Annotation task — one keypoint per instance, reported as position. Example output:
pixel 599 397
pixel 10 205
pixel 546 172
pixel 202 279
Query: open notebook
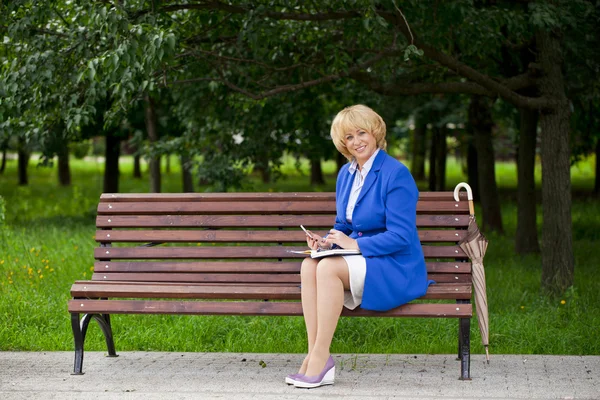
pixel 327 253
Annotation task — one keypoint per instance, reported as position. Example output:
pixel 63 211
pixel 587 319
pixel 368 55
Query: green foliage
pixel 80 149
pixel 86 65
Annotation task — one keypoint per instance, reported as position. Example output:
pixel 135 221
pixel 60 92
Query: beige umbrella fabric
pixel 475 244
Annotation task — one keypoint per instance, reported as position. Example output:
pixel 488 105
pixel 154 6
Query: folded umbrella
pixel 474 245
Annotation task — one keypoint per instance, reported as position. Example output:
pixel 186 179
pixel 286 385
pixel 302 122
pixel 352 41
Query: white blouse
pixel 357 184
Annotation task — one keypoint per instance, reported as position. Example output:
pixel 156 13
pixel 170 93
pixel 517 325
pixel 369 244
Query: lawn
pixel 46 242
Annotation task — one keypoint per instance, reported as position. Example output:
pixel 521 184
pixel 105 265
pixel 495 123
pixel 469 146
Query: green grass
pixel 47 243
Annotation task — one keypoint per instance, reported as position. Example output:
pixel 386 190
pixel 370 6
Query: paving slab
pixel 158 375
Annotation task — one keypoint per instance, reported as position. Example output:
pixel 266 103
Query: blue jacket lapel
pixel 346 186
pixel 372 175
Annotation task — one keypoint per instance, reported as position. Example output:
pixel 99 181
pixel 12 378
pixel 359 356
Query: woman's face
pixel 361 145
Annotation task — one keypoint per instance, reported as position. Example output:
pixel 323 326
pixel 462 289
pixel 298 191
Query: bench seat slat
pixel 254 221
pixel 242 236
pixel 256 308
pixel 242 267
pixel 93 289
pixel 224 252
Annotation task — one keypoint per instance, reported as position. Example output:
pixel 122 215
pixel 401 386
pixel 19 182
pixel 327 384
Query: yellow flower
pixel 41 276
pixel 522 307
pixel 1 262
pixel 563 302
pixel 51 269
pixel 32 250
pixel 92 268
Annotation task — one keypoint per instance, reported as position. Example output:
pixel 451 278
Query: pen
pixel 307 232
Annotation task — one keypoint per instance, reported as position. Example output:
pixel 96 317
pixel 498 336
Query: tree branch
pixel 464 70
pixel 486 82
pixel 49 32
pixel 301 85
pixel 411 88
pixel 291 16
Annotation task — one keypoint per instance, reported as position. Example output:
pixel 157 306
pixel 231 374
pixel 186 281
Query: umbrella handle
pixel 469 195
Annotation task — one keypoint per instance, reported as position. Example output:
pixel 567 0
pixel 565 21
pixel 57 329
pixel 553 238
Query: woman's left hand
pixel 341 239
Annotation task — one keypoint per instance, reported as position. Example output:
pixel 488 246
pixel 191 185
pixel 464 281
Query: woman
pixel 376 199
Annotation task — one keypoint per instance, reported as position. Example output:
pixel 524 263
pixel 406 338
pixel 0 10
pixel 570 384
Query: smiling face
pixel 357 131
pixel 361 145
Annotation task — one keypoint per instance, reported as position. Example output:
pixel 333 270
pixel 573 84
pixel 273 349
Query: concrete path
pixel 141 375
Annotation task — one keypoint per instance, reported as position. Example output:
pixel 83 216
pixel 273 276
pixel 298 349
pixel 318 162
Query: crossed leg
pixel 323 285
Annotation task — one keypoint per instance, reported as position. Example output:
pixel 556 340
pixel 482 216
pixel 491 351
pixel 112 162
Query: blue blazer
pixel 384 225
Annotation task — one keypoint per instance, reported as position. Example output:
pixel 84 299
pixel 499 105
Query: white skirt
pixel 357 270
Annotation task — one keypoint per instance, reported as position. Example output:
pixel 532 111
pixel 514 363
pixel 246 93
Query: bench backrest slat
pixel 253 207
pixel 254 221
pixel 240 252
pixel 223 236
pixel 201 267
pixel 249 196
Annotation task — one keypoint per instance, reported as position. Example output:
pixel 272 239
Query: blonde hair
pixel 354 118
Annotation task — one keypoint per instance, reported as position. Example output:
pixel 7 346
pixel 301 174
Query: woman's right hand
pixel 316 242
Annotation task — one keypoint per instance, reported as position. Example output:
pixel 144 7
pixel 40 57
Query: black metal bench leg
pixel 465 349
pixel 104 322
pixel 79 338
pixel 458 358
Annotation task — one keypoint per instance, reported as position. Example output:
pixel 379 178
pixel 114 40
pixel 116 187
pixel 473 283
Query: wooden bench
pixel 235 246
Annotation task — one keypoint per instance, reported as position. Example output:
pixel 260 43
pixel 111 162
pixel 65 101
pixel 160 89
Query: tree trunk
pixel 186 174
pixel 137 167
pixel 440 159
pixel 261 166
pixel 433 152
pixel 419 149
pixel 480 119
pixel 316 172
pixel 557 238
pixel 472 172
pixel 152 128
pixel 111 163
pixel 597 179
pixel 526 238
pixel 3 164
pixel 23 162
pixel 64 171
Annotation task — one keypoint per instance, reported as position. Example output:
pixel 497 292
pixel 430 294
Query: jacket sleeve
pixel 400 202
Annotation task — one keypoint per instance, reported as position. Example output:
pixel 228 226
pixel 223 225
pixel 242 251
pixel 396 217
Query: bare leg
pixel 308 275
pixel 332 279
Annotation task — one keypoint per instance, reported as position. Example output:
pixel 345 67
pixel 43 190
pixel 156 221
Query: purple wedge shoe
pixel 326 377
pixel 291 379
